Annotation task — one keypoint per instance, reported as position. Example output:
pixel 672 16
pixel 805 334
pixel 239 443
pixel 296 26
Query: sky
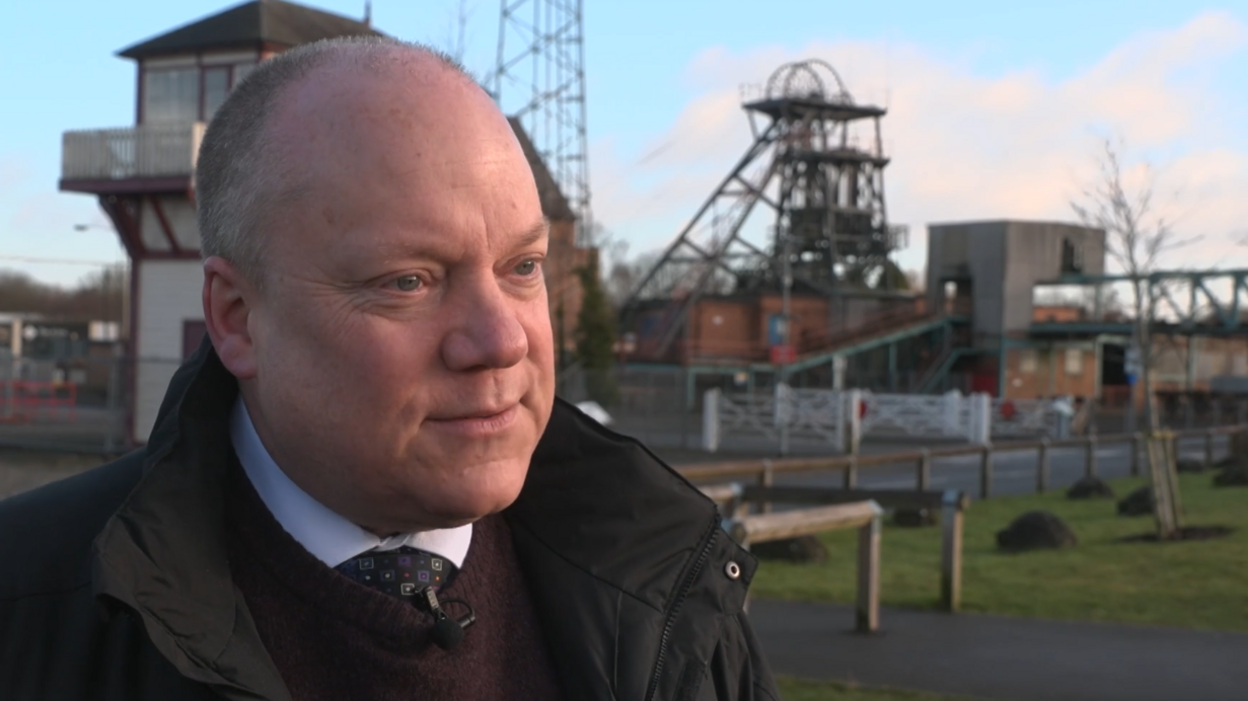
pixel 995 109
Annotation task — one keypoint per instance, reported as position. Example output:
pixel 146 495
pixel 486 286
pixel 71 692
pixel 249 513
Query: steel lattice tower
pixel 821 177
pixel 540 79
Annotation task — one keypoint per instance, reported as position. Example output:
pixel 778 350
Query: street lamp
pixel 83 226
pixel 113 283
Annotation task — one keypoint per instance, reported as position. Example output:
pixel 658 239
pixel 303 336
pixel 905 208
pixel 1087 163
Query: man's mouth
pixel 482 421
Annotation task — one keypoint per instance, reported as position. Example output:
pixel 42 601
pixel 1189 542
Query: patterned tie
pixel 404 572
pixel 413 575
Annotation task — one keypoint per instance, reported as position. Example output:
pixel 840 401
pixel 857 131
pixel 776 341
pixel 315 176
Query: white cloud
pixel 966 146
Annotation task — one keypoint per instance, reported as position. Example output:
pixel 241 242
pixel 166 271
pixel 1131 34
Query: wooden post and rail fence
pixel 764 470
pixel 864 515
pixel 851 507
pixel 734 498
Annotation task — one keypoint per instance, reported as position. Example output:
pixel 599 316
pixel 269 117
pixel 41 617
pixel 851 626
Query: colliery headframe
pixel 784 275
pixel 817 166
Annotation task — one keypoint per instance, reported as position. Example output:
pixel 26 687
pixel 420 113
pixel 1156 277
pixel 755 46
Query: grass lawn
pixel 802 690
pixel 1187 584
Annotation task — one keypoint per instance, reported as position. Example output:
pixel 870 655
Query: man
pixel 377 391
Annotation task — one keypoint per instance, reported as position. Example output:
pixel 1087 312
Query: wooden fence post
pixel 1209 447
pixel 1237 449
pixel 868 613
pixel 736 505
pixel 1162 449
pixel 1135 453
pixel 924 478
pixel 1172 473
pixel 766 479
pixel 985 471
pixel 851 473
pixel 951 552
pixel 710 420
pixel 1089 458
pixel 1042 466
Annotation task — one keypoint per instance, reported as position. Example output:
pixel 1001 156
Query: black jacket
pixel 114 584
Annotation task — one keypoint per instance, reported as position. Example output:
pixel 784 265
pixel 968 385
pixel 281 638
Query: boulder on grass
pixel 1035 530
pixel 1189 465
pixel 1090 488
pixel 1137 503
pixel 1232 476
pixel 915 518
pixel 803 549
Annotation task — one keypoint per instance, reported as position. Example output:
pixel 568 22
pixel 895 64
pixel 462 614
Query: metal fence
pixel 96 403
pixel 80 404
pixel 659 406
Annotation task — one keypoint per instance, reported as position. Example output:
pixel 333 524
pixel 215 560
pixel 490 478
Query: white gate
pixel 808 414
pixel 1026 417
pixel 947 416
pixel 816 413
pixel 839 418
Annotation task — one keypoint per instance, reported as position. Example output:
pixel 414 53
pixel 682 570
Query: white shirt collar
pixel 327 535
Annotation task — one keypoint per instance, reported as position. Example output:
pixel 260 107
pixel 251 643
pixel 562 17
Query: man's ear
pixel 228 304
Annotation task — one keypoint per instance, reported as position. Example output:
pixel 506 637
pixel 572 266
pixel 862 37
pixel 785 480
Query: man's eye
pixel 526 268
pixel 408 283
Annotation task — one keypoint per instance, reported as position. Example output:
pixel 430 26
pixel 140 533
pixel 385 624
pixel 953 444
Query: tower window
pixel 1072 257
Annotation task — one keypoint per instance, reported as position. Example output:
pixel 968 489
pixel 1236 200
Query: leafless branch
pixel 1136 238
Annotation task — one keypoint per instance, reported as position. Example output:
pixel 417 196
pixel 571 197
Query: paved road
pixel 1004 659
pixel 1013 472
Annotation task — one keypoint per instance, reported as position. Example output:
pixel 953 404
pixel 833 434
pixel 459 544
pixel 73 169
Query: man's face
pixel 403 351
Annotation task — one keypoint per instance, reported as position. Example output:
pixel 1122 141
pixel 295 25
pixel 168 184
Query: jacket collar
pixel 595 500
pixel 163 553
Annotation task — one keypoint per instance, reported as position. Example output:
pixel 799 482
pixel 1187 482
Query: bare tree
pixel 1136 237
pixel 98 295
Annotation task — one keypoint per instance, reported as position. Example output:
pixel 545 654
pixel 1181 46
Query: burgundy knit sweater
pixel 334 639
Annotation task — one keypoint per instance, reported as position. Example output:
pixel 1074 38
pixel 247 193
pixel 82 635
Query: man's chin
pixel 477 496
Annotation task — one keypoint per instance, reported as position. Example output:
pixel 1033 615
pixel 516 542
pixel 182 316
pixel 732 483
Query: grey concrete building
pixel 996 265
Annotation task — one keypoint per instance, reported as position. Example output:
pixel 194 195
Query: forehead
pixel 404 153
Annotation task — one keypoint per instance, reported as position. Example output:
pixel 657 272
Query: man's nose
pixel 486 331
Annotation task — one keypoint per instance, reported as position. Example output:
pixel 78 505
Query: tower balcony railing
pixel 145 151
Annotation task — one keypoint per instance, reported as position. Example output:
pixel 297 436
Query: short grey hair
pixel 238 175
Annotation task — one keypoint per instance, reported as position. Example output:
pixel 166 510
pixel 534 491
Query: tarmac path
pixel 1004 659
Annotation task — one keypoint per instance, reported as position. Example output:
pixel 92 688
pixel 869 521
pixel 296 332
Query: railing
pixel 895 318
pixel 880 323
pixel 148 151
pixel 765 470
pixel 736 351
pixel 733 498
pixel 863 515
pixel 21 400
